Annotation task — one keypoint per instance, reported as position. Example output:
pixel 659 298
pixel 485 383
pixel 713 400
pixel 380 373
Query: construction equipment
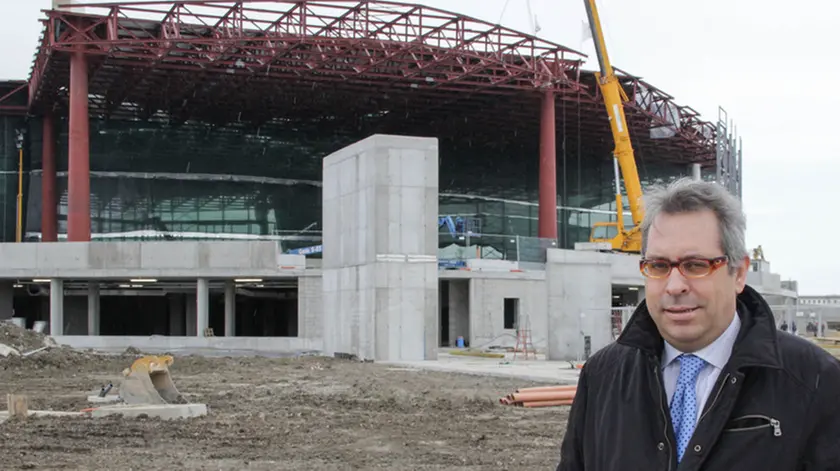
pixel 147 381
pixel 624 240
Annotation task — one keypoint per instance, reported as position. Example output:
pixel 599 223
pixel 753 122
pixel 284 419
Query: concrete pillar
pixel 547 224
pixel 696 172
pixel 93 308
pixel 202 306
pixel 579 289
pixel 56 307
pixel 380 275
pixel 49 202
pixel 78 179
pixel 230 309
pixel 7 297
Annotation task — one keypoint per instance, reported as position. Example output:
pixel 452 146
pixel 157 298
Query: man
pixel 700 378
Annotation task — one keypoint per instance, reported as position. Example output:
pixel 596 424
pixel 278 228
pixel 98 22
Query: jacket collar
pixel 756 344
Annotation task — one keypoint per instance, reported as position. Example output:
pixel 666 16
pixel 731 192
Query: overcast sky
pixel 771 64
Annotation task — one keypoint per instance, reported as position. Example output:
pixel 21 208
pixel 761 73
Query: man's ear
pixel 741 274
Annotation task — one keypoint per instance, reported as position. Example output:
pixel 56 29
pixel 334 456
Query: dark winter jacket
pixel 775 406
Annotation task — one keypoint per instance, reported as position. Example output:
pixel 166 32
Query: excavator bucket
pixel 147 381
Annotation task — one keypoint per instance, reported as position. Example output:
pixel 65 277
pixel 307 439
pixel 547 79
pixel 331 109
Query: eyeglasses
pixel 694 267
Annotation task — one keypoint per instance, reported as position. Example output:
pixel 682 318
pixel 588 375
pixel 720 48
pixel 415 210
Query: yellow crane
pixel 625 239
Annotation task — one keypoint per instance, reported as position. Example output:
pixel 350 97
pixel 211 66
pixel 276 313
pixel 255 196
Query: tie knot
pixel 692 364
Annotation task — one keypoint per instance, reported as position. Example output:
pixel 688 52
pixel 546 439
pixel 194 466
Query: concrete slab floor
pixel 544 371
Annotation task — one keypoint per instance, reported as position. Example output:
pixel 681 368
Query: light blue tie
pixel 684 403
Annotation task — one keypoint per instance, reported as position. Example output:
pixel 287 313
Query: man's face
pixel 691 312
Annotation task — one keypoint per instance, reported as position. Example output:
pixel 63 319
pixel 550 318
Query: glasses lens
pixel 695 268
pixel 657 268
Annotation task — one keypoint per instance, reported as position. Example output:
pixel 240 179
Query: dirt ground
pixel 279 414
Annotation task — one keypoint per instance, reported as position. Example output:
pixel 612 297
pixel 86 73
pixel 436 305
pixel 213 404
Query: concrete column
pixel 547 223
pixel 696 173
pixel 7 297
pixel 56 307
pixel 78 179
pixel 380 274
pixel 202 306
pixel 230 309
pixel 49 203
pixel 93 308
pixel 579 302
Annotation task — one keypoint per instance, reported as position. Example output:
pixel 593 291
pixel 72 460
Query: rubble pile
pixel 23 347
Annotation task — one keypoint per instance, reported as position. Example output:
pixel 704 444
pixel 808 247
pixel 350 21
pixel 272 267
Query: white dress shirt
pixel 716 356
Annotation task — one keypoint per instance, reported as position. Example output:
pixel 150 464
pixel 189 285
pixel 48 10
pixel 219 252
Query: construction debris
pixel 541 396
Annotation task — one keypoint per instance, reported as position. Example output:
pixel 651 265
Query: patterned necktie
pixel 684 403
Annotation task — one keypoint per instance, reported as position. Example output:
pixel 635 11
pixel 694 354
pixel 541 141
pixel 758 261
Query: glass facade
pixel 204 181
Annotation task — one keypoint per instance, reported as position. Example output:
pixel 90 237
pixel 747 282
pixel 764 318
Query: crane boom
pixel 624 158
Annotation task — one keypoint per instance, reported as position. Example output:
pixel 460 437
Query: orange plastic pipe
pixel 543 396
pixel 568 387
pixel 564 402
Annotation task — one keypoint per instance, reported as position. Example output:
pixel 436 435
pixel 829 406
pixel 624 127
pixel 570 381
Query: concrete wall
pixel 380 204
pixel 91 260
pixel 311 307
pixel 159 344
pixel 487 297
pixel 579 286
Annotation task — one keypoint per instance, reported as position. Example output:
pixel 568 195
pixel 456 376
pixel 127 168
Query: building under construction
pixel 206 123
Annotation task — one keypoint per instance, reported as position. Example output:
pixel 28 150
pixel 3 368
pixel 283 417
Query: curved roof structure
pixel 255 60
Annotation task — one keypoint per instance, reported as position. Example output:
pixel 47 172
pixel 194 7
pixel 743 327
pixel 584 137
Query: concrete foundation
pixel 380 203
pixel 162 411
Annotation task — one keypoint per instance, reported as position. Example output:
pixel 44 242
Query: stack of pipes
pixel 542 396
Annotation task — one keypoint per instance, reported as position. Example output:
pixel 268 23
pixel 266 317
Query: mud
pixel 278 414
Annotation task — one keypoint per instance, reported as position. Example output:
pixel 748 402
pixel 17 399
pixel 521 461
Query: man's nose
pixel 677 284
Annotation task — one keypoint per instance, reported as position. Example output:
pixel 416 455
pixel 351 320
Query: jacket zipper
pixel 664 414
pixel 717 396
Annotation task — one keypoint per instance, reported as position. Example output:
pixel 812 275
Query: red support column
pixel 78 179
pixel 547 227
pixel 49 219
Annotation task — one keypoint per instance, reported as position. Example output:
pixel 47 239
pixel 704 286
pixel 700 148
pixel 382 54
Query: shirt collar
pixel 716 353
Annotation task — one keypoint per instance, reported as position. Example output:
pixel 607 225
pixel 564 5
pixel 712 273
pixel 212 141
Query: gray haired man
pixel 700 379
